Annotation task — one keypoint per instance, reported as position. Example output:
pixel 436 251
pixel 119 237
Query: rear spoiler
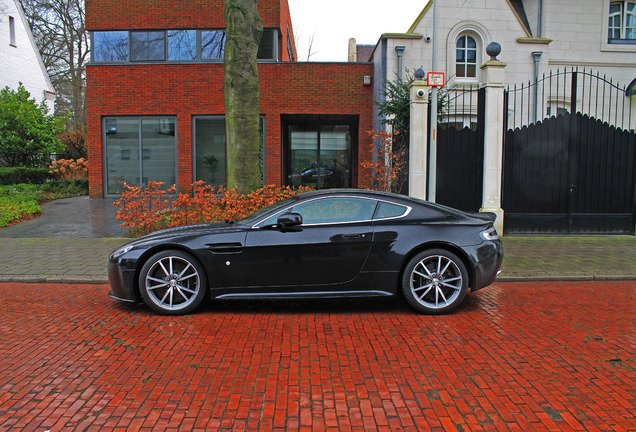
pixel 485 216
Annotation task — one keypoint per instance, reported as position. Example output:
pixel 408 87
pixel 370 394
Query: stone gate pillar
pixel 493 81
pixel 418 147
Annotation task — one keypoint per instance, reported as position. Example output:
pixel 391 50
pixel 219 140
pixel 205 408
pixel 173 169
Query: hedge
pixel 15 175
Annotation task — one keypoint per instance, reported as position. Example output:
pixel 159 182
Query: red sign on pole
pixel 435 79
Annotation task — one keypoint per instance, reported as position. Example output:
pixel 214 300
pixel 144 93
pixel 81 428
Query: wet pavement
pixel 526 356
pixel 78 217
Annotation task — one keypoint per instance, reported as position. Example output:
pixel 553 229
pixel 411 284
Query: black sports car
pixel 329 243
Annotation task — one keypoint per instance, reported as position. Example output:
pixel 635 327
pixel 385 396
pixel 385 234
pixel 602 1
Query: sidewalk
pixel 84 260
pixel 71 242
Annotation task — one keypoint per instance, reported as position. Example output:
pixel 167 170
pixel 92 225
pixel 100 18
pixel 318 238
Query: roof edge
pixel 393 36
pixel 420 16
pixel 525 28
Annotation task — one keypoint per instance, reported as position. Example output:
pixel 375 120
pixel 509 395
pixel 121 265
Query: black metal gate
pixel 574 170
pixel 460 149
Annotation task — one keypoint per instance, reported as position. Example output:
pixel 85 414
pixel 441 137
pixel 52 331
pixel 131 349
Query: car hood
pixel 190 230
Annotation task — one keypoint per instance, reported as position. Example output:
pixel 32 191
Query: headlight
pixel 490 234
pixel 122 250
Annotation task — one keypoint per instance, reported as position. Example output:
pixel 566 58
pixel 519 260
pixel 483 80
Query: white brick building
pixel 20 60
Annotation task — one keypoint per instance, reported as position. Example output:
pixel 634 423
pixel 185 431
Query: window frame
pixel 465 64
pixel 141 155
pixel 289 207
pixel 263 122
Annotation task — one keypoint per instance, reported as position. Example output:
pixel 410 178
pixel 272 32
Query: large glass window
pixel 139 150
pixel 209 143
pixel 466 59
pixel 319 154
pixel 267 47
pixel 171 45
pixel 209 149
pixel 182 44
pixel 110 46
pixel 622 22
pixel 148 46
pixel 212 44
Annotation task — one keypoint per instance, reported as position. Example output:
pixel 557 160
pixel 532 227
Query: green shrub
pixel 14 207
pixel 16 175
pixel 28 134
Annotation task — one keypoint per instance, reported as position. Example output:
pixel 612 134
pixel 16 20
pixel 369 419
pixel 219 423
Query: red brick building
pixel 155 100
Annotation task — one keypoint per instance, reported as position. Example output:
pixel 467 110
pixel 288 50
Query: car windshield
pixel 258 213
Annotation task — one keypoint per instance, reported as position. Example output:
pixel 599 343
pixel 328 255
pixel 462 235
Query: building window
pixel 622 22
pixel 290 46
pixel 170 45
pixel 466 59
pixel 319 150
pixel 110 46
pixel 139 150
pixel 212 44
pixel 12 40
pixel 182 45
pixel 148 46
pixel 267 49
pixel 209 148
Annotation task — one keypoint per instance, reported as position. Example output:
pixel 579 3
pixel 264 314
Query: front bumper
pixel 122 282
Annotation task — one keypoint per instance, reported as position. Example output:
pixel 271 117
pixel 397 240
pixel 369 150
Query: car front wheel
pixel 435 281
pixel 172 283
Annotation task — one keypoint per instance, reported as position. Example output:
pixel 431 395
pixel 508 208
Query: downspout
pixel 400 52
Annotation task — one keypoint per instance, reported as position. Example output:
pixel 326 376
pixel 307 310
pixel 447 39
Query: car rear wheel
pixel 172 283
pixel 435 281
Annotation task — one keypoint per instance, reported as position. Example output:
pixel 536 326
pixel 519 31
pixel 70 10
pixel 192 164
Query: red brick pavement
pixel 515 356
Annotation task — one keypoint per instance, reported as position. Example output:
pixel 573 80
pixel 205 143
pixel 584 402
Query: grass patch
pixel 23 200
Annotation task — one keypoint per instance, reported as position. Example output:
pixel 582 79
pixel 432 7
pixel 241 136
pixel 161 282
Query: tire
pixel 435 282
pixel 172 282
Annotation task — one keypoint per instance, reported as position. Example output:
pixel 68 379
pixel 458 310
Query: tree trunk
pixel 242 88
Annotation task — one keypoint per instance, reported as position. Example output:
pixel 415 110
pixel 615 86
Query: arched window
pixel 466 58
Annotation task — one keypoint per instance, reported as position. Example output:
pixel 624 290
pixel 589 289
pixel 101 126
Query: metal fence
pixel 569 90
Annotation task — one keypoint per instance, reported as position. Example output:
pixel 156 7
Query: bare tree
pixel 59 29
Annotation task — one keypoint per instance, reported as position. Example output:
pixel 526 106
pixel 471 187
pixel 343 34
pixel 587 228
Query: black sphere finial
pixel 493 50
pixel 419 74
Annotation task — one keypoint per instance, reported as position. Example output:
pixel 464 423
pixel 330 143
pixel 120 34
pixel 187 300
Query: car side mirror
pixel 288 220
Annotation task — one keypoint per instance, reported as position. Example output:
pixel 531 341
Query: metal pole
pixel 432 182
pixel 536 55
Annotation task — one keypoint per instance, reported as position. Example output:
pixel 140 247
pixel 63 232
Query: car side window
pixel 388 210
pixel 336 210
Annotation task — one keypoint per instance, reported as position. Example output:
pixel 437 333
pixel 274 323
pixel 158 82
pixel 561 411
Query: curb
pixel 103 280
pixel 98 280
pixel 563 278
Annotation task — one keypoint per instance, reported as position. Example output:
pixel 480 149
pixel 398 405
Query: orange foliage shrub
pixel 148 209
pixel 389 166
pixel 70 169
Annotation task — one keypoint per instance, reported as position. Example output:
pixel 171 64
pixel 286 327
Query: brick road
pixel 515 356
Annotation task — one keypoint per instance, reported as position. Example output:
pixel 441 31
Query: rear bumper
pixel 488 264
